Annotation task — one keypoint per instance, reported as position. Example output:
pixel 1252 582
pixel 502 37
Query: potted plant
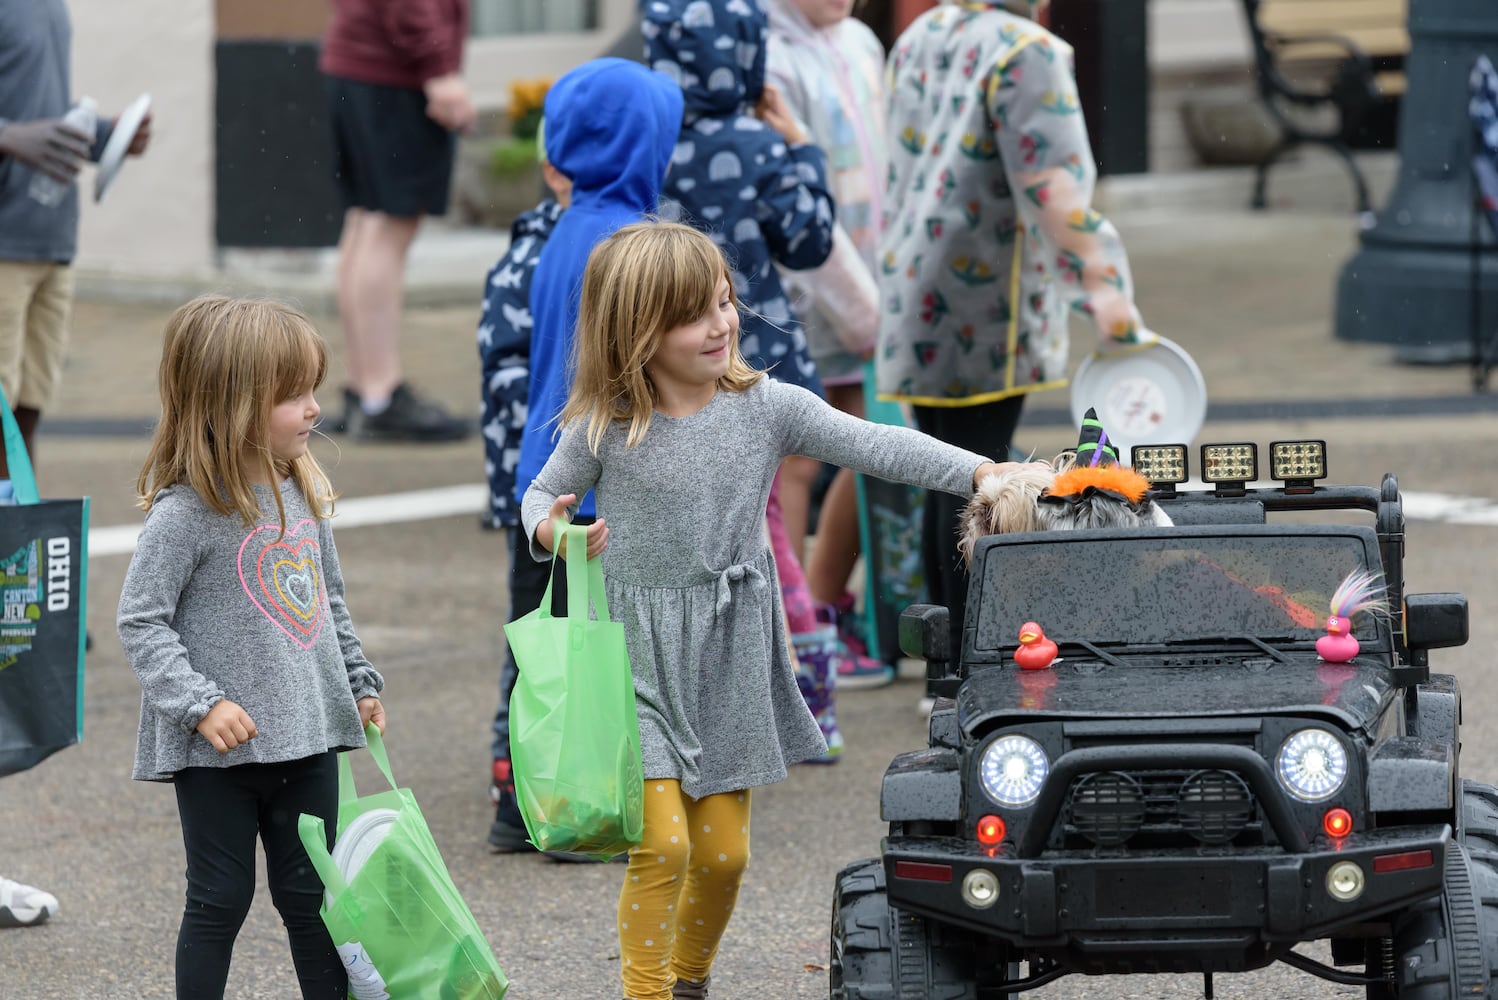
pixel 500 178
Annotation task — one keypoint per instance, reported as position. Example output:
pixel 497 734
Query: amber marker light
pixel 1337 823
pixel 991 831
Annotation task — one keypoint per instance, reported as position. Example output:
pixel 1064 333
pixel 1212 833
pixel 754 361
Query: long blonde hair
pixel 640 284
pixel 225 364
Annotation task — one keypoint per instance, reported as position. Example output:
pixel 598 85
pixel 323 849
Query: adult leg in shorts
pixel 36 305
pixel 394 165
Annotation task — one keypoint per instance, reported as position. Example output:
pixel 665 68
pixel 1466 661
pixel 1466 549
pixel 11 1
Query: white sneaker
pixel 23 905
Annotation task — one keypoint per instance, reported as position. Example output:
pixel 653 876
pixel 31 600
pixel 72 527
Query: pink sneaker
pixel 858 672
pixel 855 670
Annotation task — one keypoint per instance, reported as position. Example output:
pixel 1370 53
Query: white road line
pixel 448 501
pixel 1450 509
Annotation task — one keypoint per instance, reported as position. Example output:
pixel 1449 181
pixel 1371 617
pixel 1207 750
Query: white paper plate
pixel 119 142
pixel 358 842
pixel 1153 395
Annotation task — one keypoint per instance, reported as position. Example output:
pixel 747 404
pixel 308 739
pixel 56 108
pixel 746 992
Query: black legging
pixel 223 809
pixel 986 429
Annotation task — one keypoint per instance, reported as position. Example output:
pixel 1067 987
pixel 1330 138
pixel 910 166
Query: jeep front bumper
pixel 1081 901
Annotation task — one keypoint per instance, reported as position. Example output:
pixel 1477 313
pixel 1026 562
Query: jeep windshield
pixel 1243 588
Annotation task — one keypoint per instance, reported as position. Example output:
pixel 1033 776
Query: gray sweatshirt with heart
pixel 213 610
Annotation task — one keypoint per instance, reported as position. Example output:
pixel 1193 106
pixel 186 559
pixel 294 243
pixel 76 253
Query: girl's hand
pixel 598 531
pixel 999 468
pixel 771 109
pixel 372 709
pixel 227 725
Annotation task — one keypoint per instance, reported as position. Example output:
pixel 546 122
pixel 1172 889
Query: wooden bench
pixel 1340 56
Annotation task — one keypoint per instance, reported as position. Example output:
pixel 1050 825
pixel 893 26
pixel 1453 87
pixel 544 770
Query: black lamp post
pixel 1428 267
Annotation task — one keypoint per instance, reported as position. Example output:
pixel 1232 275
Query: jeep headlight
pixel 1312 765
pixel 1012 769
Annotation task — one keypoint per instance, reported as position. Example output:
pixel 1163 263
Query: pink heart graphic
pixel 287 582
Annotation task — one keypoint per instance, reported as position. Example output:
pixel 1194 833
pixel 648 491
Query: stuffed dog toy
pixel 1084 488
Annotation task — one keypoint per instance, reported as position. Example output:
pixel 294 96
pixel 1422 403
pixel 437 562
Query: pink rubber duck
pixel 1339 644
pixel 1360 590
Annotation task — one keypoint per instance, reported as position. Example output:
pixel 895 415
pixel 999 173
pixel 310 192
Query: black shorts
pixel 389 156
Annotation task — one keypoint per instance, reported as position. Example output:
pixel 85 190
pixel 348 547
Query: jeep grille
pixel 1110 808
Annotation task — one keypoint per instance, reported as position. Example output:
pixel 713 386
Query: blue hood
pixel 714 48
pixel 614 139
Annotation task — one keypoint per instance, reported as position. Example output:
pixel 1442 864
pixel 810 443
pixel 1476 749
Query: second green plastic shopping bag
pixel 391 907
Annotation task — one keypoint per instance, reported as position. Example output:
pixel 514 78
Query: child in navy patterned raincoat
pixel 762 198
pixel 504 341
pixel 504 338
pixel 744 173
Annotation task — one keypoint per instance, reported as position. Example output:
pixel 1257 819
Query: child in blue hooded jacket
pixel 610 127
pixel 744 172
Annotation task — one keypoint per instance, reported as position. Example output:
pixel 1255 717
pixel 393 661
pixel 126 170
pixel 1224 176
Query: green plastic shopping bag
pixel 393 912
pixel 574 735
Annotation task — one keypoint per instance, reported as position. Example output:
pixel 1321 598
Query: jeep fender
pixel 1437 709
pixel 923 785
pixel 1407 774
pixel 1418 772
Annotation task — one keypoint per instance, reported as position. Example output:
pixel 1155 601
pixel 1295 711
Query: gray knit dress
pixel 690 576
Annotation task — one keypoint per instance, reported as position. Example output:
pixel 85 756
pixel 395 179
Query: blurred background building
pixel 239 158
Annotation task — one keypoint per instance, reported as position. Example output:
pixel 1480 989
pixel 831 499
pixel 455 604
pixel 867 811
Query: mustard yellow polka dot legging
pixel 680 887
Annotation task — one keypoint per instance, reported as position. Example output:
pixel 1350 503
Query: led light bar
pixel 1237 464
pixel 1162 464
pixel 1297 464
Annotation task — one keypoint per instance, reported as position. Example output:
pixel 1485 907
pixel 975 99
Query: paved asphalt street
pixel 1249 295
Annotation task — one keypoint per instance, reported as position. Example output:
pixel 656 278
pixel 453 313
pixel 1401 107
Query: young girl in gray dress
pixel 679 439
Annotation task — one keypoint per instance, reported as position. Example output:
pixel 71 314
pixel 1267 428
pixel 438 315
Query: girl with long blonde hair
pixel 232 617
pixel 679 439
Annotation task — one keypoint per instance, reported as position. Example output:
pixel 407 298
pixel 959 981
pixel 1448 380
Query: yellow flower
pixel 528 95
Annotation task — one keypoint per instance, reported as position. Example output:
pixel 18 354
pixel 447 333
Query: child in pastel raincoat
pixel 829 67
pixel 990 240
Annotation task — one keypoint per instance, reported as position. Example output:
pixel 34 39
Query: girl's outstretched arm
pixel 809 426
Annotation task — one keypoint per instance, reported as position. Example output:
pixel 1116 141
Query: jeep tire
pixel 881 953
pixel 1444 947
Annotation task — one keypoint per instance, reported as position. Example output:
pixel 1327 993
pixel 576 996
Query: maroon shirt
pixel 401 43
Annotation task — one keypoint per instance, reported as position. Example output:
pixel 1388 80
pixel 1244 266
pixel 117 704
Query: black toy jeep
pixel 1189 788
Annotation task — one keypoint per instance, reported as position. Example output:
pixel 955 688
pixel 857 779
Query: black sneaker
pixel 339 424
pixel 507 838
pixel 408 418
pixel 507 833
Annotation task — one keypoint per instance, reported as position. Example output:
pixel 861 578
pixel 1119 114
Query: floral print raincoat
pixel 990 240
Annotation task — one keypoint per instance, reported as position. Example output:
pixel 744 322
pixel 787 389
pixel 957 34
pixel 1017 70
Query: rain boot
pixel 815 652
